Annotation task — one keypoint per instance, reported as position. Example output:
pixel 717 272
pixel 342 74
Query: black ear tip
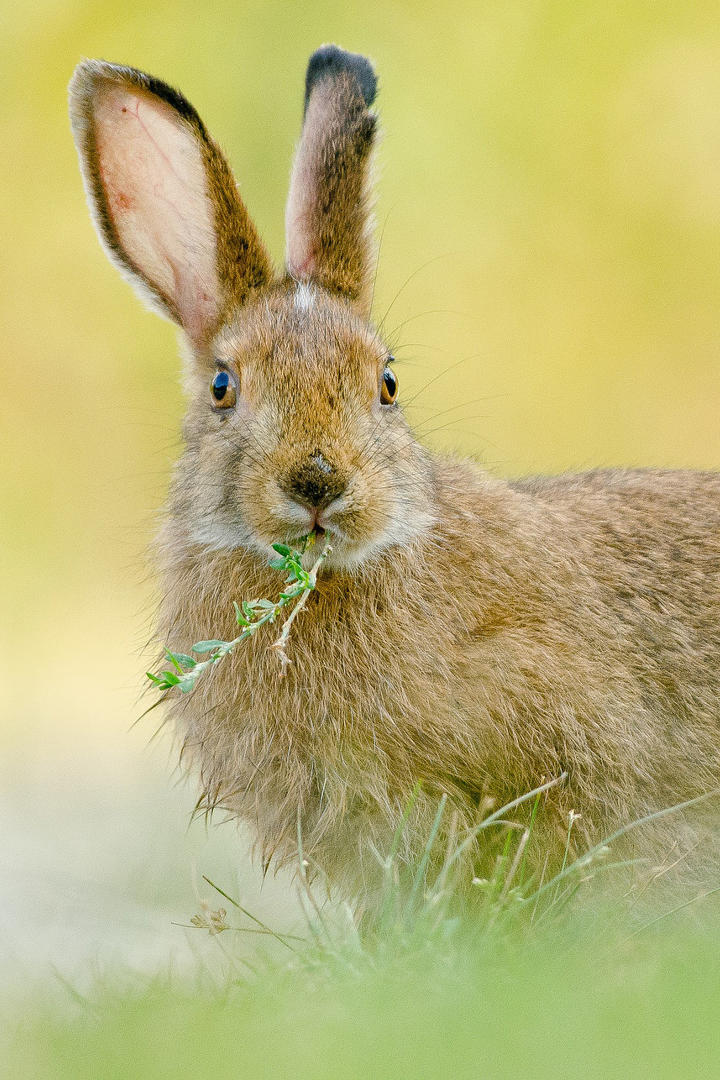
pixel 329 60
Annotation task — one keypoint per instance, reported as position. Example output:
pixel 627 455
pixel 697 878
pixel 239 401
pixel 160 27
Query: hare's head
pixel 293 423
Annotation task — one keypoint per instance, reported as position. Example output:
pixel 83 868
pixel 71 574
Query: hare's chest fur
pixel 370 705
pixel 394 681
pixel 359 711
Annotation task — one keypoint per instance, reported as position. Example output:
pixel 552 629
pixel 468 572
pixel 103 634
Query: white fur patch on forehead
pixel 304 299
pixel 153 174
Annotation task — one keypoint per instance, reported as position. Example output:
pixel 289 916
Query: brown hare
pixel 473 634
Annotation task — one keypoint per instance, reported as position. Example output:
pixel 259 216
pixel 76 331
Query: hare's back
pixel 652 537
pixel 685 488
pixel 662 515
pixel 656 506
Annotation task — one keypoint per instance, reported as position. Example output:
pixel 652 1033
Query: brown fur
pixel 476 634
pixel 329 239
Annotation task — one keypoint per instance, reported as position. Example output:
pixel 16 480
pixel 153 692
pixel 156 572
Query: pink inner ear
pixel 152 170
pixel 302 215
pixel 300 222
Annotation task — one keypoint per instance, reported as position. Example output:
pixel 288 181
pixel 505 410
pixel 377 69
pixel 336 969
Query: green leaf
pixel 239 616
pixel 154 678
pixel 277 564
pixel 170 678
pixel 186 661
pixel 264 605
pixel 174 660
pixel 282 549
pixel 207 646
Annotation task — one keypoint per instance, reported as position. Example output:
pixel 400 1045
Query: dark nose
pixel 314 482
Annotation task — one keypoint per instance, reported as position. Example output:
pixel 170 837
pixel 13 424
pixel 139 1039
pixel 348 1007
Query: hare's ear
pixel 328 214
pixel 163 198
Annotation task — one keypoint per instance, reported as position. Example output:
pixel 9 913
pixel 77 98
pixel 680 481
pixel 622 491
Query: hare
pixel 471 634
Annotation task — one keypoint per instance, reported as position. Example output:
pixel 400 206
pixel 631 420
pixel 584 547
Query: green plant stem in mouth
pixel 250 615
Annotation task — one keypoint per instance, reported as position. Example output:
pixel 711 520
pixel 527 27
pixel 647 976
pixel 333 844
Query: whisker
pixel 459 405
pixel 407 281
pixel 440 375
pixel 432 311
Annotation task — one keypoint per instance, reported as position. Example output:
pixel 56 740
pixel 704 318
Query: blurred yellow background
pixel 549 207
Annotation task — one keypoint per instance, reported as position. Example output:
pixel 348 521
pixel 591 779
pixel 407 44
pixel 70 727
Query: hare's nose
pixel 315 482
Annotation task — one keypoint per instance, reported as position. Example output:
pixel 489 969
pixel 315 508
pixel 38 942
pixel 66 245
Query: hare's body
pixel 476 635
pixel 569 624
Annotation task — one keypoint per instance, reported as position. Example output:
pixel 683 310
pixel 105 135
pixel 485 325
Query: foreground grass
pixel 563 1005
pixel 513 977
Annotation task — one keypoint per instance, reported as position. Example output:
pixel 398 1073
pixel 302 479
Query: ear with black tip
pixel 163 198
pixel 328 213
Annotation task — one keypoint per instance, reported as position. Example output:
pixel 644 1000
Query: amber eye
pixel 222 389
pixel 389 388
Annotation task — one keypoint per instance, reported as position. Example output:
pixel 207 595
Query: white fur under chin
pixel 346 554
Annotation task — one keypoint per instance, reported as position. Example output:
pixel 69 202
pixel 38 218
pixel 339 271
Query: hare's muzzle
pixel 314 483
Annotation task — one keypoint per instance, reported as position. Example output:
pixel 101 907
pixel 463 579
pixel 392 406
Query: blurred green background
pixel 550 177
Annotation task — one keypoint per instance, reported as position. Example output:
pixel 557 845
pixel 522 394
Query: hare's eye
pixel 389 388
pixel 223 390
